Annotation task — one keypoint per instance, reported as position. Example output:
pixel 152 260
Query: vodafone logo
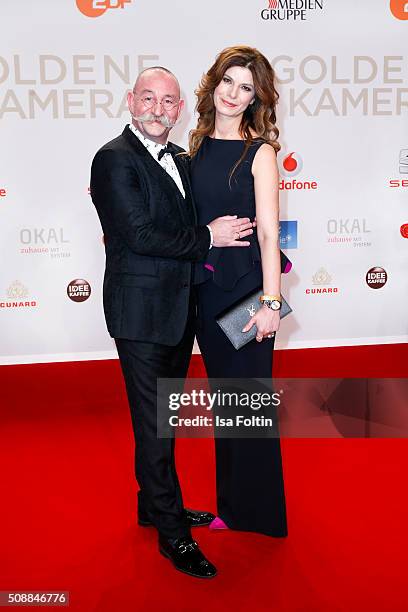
pixel 291 164
pixel 404 230
pixel 96 8
pixel 3 192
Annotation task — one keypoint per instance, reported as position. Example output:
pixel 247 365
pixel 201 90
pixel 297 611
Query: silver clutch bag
pixel 233 320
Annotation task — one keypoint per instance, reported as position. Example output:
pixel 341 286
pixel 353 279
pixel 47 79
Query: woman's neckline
pixel 233 139
pixel 226 139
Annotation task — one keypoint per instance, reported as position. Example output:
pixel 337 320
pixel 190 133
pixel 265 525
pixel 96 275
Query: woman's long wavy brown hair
pixel 259 118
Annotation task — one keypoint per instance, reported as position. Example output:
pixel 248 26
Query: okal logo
pixel 96 8
pixel 353 232
pixel 288 234
pixel 404 230
pixel 50 241
pixel 403 169
pixel 376 277
pixel 17 295
pixel 320 279
pixel 290 165
pixel 399 8
pixel 79 290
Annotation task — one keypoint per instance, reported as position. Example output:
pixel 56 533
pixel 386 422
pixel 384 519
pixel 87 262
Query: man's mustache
pixel 147 117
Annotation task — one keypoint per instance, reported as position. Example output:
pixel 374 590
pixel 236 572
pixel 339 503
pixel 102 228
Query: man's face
pixel 155 104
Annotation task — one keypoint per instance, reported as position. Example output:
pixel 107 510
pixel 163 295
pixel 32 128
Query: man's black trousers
pixel 142 364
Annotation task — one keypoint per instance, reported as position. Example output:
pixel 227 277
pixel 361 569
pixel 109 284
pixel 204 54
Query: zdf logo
pixel 96 8
pixel 399 8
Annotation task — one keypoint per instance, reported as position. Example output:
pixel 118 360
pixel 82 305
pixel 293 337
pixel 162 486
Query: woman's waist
pixel 205 216
pixel 226 265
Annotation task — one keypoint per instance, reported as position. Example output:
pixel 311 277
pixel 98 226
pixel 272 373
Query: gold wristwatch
pixel 271 301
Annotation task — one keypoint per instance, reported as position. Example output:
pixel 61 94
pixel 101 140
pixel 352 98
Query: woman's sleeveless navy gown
pixel 250 488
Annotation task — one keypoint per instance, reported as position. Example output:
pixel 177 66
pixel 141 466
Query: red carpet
pixel 68 502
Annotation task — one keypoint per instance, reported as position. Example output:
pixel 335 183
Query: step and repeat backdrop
pixel 65 69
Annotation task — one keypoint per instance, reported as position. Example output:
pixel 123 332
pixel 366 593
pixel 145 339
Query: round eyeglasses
pixel 168 102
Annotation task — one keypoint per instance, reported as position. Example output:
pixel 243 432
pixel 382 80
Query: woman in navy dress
pixel 234 172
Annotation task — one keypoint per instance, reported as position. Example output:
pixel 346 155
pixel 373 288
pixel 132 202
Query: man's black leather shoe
pixel 195 518
pixel 186 556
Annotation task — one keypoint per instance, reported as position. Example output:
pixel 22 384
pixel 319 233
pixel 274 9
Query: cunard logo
pixel 290 10
pixel 17 295
pixel 320 279
pixel 17 290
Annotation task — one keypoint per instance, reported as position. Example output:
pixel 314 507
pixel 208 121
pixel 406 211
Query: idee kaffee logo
pixel 96 8
pixel 79 290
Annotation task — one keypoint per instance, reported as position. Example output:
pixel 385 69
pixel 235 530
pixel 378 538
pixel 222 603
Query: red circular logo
pixel 404 230
pixel 91 8
pixel 79 290
pixel 291 164
pixel 376 277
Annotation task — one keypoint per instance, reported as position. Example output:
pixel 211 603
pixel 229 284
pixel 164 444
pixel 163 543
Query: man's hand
pixel 228 230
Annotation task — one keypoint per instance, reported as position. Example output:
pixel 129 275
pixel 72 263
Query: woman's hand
pixel 267 322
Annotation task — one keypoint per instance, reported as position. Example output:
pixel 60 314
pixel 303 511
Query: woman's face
pixel 235 92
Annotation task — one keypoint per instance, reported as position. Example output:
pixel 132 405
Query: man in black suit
pixel 143 198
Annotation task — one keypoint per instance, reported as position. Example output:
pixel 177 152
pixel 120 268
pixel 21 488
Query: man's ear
pixel 130 98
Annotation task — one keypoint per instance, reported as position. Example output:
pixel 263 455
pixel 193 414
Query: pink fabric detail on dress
pixel 209 267
pixel 288 267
